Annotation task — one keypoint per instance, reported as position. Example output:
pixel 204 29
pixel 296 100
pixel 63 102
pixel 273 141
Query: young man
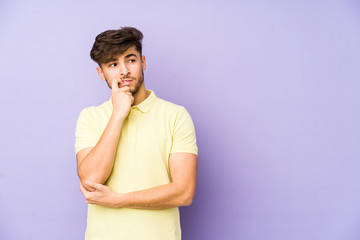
pixel 136 153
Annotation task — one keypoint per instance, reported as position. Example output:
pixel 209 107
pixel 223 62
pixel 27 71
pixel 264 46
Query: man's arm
pixel 180 192
pixel 95 164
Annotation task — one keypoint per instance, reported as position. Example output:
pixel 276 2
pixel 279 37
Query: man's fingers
pixel 125 89
pixel 82 189
pixel 97 186
pixel 115 83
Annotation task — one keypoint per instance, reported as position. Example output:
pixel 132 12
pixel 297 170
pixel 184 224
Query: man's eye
pixel 132 60
pixel 113 65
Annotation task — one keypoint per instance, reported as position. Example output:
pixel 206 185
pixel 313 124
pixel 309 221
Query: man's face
pixel 128 68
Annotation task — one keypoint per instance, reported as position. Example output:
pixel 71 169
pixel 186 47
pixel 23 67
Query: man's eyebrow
pixel 115 59
pixel 112 60
pixel 130 55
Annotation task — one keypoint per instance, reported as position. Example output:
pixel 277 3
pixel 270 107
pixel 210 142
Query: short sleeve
pixel 184 137
pixel 86 134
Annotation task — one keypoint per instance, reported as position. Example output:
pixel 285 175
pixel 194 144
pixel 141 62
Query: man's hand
pixel 121 98
pixel 102 194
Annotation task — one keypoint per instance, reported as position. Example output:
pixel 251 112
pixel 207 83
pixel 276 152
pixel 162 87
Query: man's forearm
pixel 161 197
pixel 165 196
pixel 98 163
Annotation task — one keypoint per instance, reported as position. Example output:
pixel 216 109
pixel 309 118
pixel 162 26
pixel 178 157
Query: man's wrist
pixel 118 117
pixel 118 200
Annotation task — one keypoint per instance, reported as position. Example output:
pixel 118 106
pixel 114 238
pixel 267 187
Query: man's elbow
pixel 187 199
pixel 188 202
pixel 93 176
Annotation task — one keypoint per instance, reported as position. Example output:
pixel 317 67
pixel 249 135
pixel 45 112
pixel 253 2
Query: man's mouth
pixel 126 82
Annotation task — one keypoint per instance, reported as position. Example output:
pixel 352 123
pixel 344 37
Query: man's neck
pixel 141 95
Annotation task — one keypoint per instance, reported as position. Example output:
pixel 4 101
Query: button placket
pixel 131 121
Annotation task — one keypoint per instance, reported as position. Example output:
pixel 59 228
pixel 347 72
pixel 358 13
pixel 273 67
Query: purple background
pixel 272 86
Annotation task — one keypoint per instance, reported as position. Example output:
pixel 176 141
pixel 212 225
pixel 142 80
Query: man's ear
pixel 143 62
pixel 101 73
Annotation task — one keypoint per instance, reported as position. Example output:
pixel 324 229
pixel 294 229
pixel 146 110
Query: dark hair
pixel 110 44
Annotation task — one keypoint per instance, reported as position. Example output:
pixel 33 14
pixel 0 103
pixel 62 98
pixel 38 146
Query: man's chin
pixel 134 91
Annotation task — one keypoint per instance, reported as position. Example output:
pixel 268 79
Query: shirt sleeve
pixel 184 138
pixel 86 134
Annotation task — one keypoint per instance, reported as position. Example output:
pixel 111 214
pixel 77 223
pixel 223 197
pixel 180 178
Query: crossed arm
pixel 179 192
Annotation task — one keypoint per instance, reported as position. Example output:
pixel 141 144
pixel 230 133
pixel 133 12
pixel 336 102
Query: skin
pixel 125 77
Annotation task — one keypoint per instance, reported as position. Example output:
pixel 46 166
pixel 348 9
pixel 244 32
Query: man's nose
pixel 124 69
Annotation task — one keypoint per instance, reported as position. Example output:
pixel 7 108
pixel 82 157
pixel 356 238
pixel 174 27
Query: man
pixel 136 153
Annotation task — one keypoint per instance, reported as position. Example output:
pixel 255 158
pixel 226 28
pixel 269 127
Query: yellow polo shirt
pixel 152 131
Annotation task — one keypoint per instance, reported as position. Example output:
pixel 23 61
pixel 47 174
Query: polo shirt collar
pixel 145 105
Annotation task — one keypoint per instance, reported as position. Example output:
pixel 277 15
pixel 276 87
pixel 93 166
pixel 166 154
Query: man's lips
pixel 126 82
